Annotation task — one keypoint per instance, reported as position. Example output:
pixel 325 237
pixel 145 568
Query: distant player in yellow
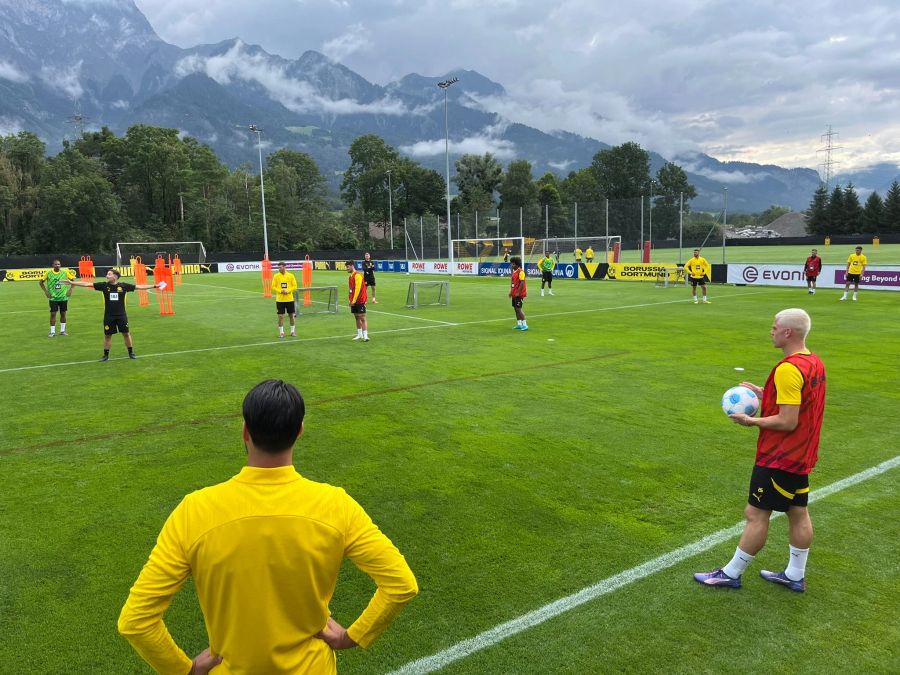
pixel 589 254
pixel 856 267
pixel 284 285
pixel 577 254
pixel 699 271
pixel 58 295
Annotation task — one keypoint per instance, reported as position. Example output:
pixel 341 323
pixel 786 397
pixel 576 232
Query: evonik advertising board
pixel 883 277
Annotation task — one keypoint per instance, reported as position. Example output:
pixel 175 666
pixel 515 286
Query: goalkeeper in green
pixel 546 265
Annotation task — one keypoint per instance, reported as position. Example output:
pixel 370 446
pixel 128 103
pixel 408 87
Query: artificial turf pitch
pixel 511 469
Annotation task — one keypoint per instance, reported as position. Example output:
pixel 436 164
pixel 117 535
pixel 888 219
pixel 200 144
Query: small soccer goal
pixel 423 293
pixel 189 252
pixel 316 300
pixel 670 276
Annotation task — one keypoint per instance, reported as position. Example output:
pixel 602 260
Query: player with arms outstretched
pixel 54 287
pixel 358 298
pixel 115 319
pixel 790 422
pixel 518 291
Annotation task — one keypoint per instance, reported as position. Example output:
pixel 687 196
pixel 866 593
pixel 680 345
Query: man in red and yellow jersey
pixel 284 285
pixel 790 422
pixel 518 291
pixel 856 267
pixel 264 550
pixel 358 298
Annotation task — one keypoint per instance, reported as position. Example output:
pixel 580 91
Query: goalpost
pixel 488 249
pixel 423 293
pixel 190 252
pixel 316 300
pixel 564 247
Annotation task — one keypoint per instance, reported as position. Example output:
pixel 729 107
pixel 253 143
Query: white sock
pixel 738 564
pixel 62 327
pixel 359 332
pixel 281 330
pixel 519 322
pixel 796 568
pixel 366 333
pixel 52 330
pixel 854 296
pixel 844 296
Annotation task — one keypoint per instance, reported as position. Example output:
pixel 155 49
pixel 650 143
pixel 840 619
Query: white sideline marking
pixel 409 316
pixel 344 336
pixel 490 637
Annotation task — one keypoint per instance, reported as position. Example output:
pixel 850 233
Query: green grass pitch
pixel 512 469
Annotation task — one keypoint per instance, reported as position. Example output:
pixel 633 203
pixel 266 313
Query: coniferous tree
pixel 852 210
pixel 817 217
pixel 873 214
pixel 892 209
pixel 836 211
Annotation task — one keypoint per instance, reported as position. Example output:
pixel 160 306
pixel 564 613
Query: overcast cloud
pixel 745 81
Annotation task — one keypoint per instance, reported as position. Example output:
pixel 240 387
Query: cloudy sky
pixel 755 81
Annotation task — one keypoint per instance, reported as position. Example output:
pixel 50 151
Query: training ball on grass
pixel 740 400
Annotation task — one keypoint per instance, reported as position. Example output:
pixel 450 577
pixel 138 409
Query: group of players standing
pixel 284 286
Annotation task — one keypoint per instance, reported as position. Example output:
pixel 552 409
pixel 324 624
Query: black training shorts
pixel 359 308
pixel 517 302
pixel 115 324
pixel 777 490
pixel 810 277
pixel 698 282
pixel 286 307
pixel 546 276
pixel 853 278
pixel 59 305
pixel 369 279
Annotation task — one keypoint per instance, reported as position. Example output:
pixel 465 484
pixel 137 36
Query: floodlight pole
pixel 445 85
pixel 724 224
pixel 390 208
pixel 262 187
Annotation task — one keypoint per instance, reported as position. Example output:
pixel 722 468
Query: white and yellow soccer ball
pixel 740 400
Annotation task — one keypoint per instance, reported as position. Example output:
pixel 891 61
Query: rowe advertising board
pixel 438 267
pixel 883 277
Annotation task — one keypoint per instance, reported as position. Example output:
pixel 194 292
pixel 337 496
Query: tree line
pixel 152 184
pixel 840 211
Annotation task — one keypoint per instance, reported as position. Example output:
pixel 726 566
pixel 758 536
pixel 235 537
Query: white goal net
pixel 316 300
pixel 563 248
pixel 189 252
pixel 495 249
pixel 423 293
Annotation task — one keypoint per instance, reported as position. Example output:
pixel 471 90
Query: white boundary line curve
pixel 493 636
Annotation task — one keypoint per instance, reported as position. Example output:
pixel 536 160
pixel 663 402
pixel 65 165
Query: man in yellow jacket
pixel 284 285
pixel 264 550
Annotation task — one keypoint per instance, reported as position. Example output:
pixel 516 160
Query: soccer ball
pixel 740 400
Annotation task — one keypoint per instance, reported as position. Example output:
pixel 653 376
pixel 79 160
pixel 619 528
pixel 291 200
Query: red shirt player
pixel 358 298
pixel 793 406
pixel 812 269
pixel 518 291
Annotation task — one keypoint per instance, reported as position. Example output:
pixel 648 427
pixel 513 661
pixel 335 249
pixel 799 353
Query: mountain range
pixel 72 64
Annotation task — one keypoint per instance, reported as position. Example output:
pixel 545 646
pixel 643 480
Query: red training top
pixel 813 266
pixel 517 288
pixel 358 295
pixel 795 451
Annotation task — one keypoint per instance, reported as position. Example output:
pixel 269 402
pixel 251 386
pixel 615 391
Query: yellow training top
pixel 283 286
pixel 697 267
pixel 789 383
pixel 264 549
pixel 856 263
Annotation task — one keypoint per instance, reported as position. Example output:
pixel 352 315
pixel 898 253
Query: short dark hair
pixel 515 260
pixel 282 263
pixel 350 263
pixel 273 412
pixel 117 273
